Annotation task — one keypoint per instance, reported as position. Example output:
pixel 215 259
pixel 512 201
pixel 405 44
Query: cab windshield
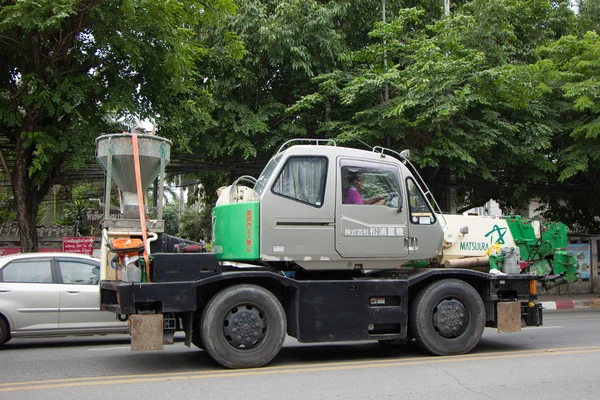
pixel 264 177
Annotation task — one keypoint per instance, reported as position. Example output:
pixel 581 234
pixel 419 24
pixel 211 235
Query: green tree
pixel 171 217
pixel 202 197
pixel 193 227
pixel 77 205
pixel 589 16
pixel 471 95
pixel 578 64
pixel 573 67
pixel 464 95
pixel 65 63
pixel 285 43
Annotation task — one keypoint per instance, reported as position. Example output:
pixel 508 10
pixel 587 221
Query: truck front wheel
pixel 447 317
pixel 243 326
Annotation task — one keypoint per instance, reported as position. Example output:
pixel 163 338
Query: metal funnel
pixel 115 155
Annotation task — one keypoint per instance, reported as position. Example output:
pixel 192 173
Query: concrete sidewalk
pixel 562 302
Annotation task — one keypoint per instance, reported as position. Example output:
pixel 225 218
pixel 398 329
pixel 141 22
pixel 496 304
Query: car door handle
pixel 4 290
pixel 73 291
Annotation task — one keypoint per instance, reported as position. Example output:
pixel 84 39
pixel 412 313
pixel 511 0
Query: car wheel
pixel 4 330
pixel 447 317
pixel 243 326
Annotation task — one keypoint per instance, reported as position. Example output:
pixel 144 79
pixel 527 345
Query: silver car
pixel 52 294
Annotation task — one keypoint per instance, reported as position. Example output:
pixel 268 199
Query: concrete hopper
pixel 115 154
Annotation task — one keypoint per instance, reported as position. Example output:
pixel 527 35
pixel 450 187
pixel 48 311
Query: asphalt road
pixel 557 361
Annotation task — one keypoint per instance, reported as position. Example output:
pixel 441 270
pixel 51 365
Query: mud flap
pixel 509 316
pixel 146 332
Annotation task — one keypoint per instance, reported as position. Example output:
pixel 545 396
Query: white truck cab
pixel 313 212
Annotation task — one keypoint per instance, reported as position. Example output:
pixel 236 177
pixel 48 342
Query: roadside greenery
pixel 66 64
pixel 501 97
pixel 171 217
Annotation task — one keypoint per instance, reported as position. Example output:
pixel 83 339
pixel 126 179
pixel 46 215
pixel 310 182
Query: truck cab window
pixel 420 211
pixel 370 185
pixel 264 177
pixel 303 179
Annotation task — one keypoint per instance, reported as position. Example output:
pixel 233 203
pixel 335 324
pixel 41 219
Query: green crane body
pixel 546 254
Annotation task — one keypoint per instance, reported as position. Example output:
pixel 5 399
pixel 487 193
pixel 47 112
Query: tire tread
pixel 212 336
pixel 424 333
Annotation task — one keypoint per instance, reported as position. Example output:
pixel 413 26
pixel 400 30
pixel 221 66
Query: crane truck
pixel 290 257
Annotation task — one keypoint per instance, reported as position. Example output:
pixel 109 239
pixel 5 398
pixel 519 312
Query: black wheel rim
pixel 245 327
pixel 450 318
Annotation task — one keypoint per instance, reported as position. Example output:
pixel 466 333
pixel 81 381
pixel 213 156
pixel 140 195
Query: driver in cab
pixel 353 193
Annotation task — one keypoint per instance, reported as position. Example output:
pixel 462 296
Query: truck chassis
pixel 241 316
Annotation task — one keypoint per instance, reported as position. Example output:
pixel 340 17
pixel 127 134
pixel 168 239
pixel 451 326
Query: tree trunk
pixel 23 202
pixel 27 198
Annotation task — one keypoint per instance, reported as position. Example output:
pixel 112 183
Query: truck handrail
pixel 308 141
pixel 234 185
pixel 420 182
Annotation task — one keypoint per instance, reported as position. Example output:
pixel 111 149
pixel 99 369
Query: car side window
pixel 79 272
pixel 28 271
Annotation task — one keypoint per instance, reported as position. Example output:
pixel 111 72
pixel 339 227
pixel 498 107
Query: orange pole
pixel 138 183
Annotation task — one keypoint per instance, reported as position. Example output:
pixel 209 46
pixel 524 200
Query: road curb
pixel 570 304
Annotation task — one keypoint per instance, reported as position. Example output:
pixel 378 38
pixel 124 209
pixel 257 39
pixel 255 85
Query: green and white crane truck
pixel 290 257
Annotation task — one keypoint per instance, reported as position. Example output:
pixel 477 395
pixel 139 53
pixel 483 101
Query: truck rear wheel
pixel 243 326
pixel 447 317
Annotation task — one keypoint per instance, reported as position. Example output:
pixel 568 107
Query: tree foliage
pixel 65 64
pixel 76 207
pixel 171 217
pixel 500 97
pixel 478 98
pixel 193 226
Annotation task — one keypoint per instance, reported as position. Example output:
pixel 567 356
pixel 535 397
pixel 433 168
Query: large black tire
pixel 243 326
pixel 447 317
pixel 4 330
